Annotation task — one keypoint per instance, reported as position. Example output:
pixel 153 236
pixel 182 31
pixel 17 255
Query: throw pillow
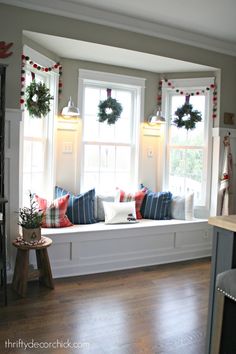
pixel 54 212
pixel 148 190
pixel 138 197
pixel 99 208
pixel 80 207
pixel 119 213
pixel 182 207
pixel 158 206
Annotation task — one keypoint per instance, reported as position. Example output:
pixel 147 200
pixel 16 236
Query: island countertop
pixel 225 222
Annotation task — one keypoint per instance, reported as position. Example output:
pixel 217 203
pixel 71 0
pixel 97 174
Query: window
pixel 110 152
pixel 37 143
pixel 188 153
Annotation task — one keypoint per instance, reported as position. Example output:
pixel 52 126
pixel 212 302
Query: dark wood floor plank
pixel 154 310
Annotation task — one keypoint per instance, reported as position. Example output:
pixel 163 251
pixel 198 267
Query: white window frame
pixel 49 124
pixel 194 84
pixel 104 79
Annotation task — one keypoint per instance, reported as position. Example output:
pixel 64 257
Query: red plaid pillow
pixel 138 197
pixel 54 212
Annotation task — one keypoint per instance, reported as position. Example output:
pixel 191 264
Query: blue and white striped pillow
pixel 157 206
pixel 80 207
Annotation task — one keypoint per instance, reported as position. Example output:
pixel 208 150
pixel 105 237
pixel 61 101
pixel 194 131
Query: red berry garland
pixel 211 87
pixel 27 59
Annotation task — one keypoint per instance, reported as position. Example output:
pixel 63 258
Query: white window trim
pixel 50 157
pixel 197 84
pixel 124 81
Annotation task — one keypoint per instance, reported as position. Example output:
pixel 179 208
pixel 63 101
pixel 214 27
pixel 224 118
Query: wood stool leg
pixel 20 277
pixel 217 325
pixel 45 273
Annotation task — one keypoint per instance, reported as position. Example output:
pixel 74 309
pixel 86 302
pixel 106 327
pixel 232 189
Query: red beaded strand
pixel 212 87
pixel 26 58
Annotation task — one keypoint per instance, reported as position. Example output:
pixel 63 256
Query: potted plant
pixel 30 219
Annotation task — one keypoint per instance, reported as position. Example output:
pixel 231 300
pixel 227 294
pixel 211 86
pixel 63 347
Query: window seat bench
pixel 95 248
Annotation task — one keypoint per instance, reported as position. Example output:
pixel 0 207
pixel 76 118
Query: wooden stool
pixel 21 271
pixel 225 319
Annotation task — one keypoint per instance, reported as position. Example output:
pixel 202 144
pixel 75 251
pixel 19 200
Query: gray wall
pixel 56 25
pixel 71 74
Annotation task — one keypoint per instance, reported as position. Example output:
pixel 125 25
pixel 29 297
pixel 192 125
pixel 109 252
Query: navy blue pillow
pixel 157 206
pixel 143 205
pixel 80 207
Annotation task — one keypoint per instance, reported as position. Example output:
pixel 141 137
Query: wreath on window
pixel 38 99
pixel 109 109
pixel 186 117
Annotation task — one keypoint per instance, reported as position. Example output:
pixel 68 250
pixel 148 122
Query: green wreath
pixel 186 117
pixel 38 99
pixel 109 110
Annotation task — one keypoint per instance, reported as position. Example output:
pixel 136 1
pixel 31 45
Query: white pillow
pixel 119 213
pixel 182 207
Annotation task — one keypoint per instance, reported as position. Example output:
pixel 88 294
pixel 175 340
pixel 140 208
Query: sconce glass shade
pixel 156 118
pixel 70 110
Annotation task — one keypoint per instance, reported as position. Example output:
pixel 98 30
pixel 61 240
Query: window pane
pixel 37 156
pixel 92 98
pixel 32 126
pixel 123 130
pixel 91 180
pixel 95 131
pixel 33 168
pixel 33 156
pixel 180 136
pixel 106 132
pixel 123 155
pixel 91 128
pixel 123 181
pixel 124 98
pixel 91 158
pixel 108 158
pixel 107 182
pixel 186 168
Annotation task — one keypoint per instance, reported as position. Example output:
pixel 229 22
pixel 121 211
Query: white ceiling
pixel 74 49
pixel 215 18
pixel 209 24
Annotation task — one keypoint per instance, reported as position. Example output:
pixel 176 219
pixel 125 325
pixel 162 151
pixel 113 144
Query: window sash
pixel 47 138
pixel 136 104
pixel 167 94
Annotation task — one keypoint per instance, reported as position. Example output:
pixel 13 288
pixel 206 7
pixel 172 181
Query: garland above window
pixel 109 109
pixel 48 69
pixel 187 93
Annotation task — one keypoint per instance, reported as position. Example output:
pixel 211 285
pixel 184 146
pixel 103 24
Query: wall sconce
pixel 70 110
pixel 156 117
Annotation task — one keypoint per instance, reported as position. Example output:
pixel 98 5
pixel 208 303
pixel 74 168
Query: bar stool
pixel 225 295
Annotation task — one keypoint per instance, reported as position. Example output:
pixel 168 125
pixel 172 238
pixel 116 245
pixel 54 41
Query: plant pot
pixel 30 235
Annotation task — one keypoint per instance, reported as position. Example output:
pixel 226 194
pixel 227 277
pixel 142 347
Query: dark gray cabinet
pixel 223 258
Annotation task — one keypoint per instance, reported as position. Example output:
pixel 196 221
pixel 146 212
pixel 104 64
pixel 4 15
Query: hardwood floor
pixel 160 309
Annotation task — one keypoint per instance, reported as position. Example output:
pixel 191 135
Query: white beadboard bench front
pixel 95 248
